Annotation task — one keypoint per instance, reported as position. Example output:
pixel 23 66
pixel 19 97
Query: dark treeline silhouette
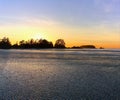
pixel 38 44
pixel 42 43
pixel 5 43
pixel 31 44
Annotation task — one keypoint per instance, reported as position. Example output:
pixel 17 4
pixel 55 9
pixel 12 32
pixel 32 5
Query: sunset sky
pixel 78 22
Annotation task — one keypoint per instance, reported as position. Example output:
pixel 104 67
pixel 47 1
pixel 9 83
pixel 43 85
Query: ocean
pixel 60 74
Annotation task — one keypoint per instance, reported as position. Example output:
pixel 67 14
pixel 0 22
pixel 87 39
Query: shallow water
pixel 65 74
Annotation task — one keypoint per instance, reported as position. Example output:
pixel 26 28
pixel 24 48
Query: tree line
pixel 5 43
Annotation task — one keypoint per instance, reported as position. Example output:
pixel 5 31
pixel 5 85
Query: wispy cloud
pixel 27 21
pixel 40 22
pixel 11 20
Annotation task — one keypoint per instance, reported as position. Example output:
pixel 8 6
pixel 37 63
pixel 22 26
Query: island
pixel 84 47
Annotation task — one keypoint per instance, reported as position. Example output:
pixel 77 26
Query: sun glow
pixel 38 36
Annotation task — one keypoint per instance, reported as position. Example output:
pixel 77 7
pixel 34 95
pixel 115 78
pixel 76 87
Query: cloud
pixel 11 20
pixel 40 22
pixel 27 21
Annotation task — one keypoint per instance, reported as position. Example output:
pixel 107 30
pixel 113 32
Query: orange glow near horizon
pixel 114 45
pixel 69 41
pixel 72 36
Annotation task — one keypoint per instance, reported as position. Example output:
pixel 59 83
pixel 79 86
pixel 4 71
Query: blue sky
pixel 74 12
pixel 90 15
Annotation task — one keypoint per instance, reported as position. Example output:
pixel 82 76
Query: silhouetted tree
pixel 45 44
pixel 16 46
pixel 5 43
pixel 22 44
pixel 59 43
pixel 42 43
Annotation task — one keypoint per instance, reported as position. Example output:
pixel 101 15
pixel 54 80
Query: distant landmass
pixel 5 43
pixel 84 46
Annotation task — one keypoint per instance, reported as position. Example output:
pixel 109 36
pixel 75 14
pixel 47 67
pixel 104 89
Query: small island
pixel 84 47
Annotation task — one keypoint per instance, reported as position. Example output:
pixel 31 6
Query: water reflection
pixel 59 74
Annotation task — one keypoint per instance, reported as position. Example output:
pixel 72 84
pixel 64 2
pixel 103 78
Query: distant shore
pixel 5 43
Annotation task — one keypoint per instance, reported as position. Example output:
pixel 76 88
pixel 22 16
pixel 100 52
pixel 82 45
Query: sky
pixel 78 22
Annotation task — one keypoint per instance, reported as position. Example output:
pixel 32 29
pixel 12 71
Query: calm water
pixel 60 74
